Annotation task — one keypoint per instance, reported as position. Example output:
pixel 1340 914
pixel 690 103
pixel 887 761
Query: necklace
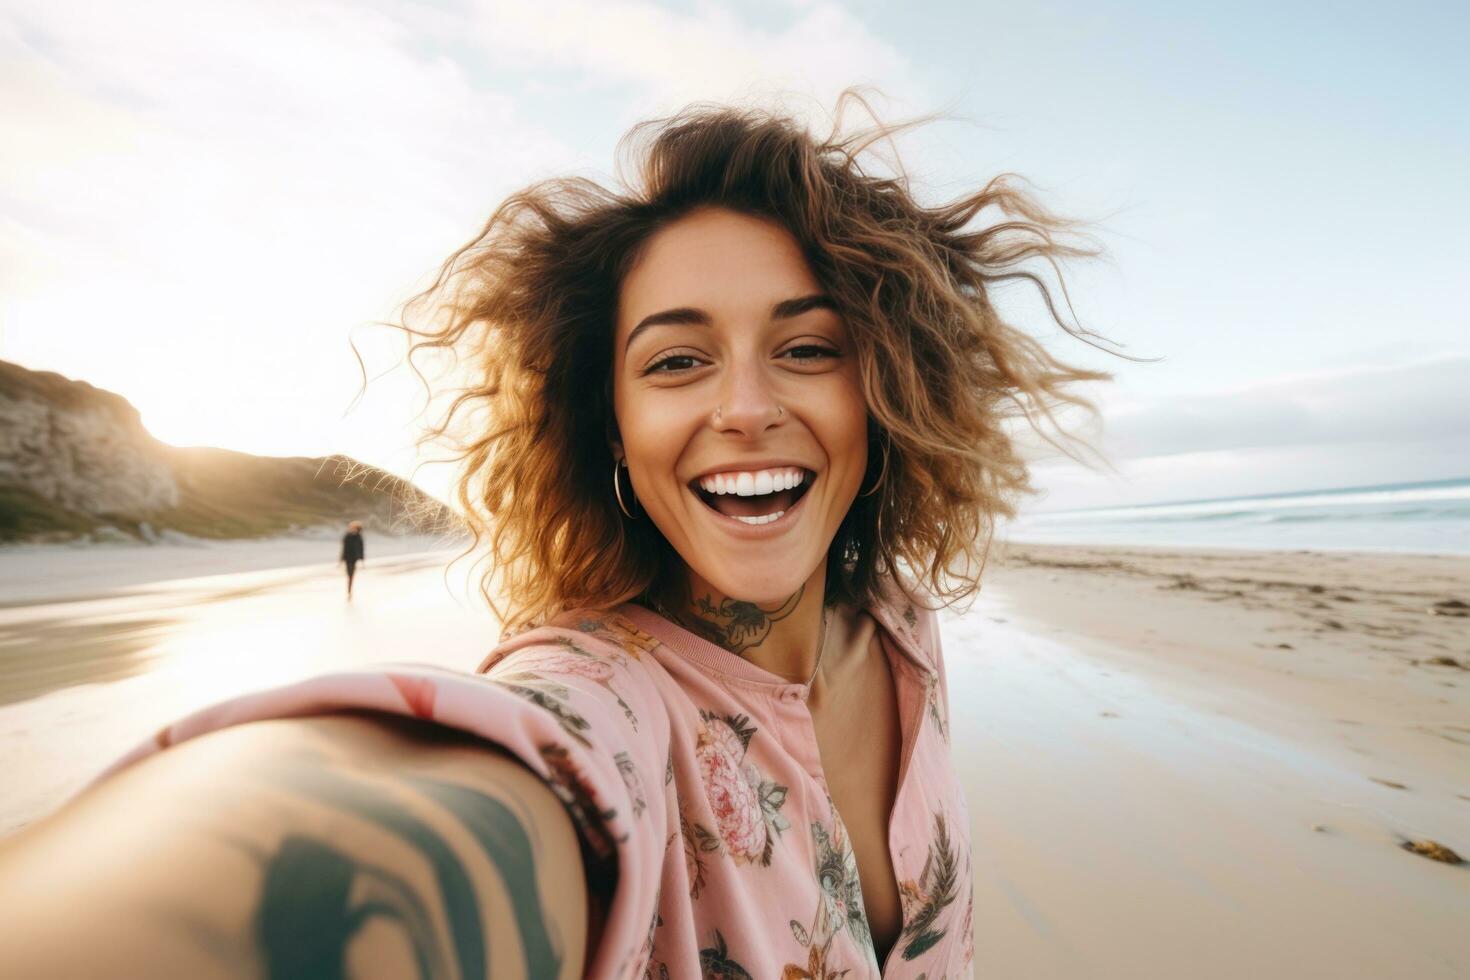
pixel 821 648
pixel 821 642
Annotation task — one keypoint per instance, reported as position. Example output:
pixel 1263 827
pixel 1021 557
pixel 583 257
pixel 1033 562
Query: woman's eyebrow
pixel 688 315
pixel 788 308
pixel 678 316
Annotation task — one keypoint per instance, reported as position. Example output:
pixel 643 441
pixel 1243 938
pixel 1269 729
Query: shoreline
pixel 1418 517
pixel 1382 551
pixel 1355 649
pixel 41 573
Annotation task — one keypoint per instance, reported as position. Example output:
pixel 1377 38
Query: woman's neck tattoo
pixel 733 624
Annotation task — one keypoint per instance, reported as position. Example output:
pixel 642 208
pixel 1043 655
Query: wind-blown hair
pixel 527 308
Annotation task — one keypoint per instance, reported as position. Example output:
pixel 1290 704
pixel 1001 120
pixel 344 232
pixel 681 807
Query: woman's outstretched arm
pixel 344 845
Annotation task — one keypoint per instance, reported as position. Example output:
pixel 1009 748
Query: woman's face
pixel 734 379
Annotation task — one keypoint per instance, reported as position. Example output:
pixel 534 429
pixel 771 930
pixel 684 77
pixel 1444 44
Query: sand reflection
pixel 82 680
pixel 44 655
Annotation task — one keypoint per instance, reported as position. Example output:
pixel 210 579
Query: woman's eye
pixel 812 352
pixel 675 363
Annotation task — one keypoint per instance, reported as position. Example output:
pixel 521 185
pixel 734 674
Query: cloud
pixel 202 200
pixel 1355 427
pixel 710 52
pixel 1425 400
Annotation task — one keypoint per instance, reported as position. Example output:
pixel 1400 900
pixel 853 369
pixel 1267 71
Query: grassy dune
pixel 61 438
pixel 228 495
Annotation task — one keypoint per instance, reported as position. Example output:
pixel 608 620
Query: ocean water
pixel 1432 517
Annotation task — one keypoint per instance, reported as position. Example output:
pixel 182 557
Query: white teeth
pixel 754 482
pixel 763 519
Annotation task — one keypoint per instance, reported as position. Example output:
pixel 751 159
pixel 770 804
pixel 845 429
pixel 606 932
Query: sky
pixel 201 202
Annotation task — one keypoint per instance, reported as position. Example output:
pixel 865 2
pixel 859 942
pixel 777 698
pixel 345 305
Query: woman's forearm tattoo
pixel 318 895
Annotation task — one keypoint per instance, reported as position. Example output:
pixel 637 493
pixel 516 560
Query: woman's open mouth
pixel 738 498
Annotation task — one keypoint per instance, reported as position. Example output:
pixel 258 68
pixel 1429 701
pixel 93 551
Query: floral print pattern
pixel 925 899
pixel 629 771
pixel 936 709
pixel 618 630
pixel 715 962
pixel 577 795
pixel 552 698
pixel 967 931
pixel 816 967
pixel 839 906
pixel 708 880
pixel 746 805
pixel 653 969
pixel 842 888
pixel 580 662
pixel 698 841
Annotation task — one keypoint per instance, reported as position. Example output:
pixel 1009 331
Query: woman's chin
pixel 765 590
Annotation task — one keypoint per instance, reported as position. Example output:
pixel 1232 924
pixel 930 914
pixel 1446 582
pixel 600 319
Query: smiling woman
pixel 732 434
pixel 752 382
pixel 741 233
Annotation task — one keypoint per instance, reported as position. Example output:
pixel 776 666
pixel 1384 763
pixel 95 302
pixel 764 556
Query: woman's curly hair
pixel 527 308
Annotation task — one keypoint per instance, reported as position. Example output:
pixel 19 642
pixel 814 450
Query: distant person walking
pixel 352 552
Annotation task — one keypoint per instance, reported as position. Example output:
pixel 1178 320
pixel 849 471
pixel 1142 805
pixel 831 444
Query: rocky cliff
pixel 76 460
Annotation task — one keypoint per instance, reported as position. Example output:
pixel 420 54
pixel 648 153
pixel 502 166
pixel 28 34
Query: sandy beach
pixel 1207 763
pixel 1358 639
pixel 1200 764
pixel 31 573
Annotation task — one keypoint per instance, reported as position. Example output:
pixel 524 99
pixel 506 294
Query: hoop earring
pixel 618 490
pixel 883 475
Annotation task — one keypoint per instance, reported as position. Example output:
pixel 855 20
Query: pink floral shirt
pixel 693 778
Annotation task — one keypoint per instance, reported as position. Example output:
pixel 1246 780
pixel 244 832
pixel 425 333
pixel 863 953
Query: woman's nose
pixel 747 402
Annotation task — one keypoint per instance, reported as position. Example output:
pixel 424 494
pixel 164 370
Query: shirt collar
pixel 904 618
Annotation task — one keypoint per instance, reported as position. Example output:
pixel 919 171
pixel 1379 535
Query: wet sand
pixel 1157 786
pixel 32 573
pixel 83 678
pixel 1207 764
pixel 1353 640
